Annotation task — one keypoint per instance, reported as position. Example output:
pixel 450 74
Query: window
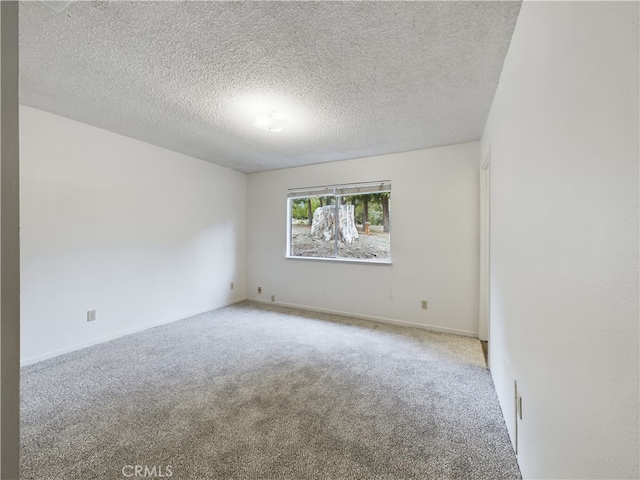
pixel 361 232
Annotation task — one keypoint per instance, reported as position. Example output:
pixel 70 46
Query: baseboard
pixel 113 336
pixel 393 321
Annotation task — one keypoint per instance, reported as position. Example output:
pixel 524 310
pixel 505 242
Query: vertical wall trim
pixel 9 245
pixel 485 233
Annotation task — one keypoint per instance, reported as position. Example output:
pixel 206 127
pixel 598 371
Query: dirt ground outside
pixel 374 246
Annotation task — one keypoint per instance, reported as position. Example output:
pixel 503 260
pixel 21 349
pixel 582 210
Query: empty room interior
pixel 267 240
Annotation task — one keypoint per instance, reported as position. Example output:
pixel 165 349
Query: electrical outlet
pixel 273 298
pixel 231 286
pixel 91 315
pixel 424 304
pixel 259 290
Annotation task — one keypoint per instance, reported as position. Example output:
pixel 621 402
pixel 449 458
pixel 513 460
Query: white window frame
pixel 340 190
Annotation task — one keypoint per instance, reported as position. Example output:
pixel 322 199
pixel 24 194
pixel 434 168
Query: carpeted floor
pixel 256 391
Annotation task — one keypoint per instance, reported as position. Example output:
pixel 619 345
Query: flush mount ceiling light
pixel 270 120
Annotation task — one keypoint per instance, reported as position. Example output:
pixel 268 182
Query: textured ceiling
pixel 354 78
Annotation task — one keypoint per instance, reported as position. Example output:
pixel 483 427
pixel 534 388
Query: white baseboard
pixel 392 321
pixel 113 336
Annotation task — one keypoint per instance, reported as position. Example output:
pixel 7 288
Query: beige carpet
pixel 261 392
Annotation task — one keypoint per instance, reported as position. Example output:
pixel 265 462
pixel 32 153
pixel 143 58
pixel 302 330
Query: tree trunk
pixel 324 224
pixel 385 213
pixel 365 210
pixel 309 212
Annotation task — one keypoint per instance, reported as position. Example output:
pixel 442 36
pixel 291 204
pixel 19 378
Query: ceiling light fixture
pixel 56 5
pixel 269 120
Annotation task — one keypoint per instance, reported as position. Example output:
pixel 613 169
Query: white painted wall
pixel 563 132
pixel 141 234
pixel 434 241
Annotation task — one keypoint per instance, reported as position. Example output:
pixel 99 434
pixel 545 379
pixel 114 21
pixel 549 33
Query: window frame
pixel 337 191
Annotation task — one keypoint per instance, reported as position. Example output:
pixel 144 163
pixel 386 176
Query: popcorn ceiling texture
pixel 355 78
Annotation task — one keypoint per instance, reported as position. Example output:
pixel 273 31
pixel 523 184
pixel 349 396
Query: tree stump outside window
pixel 324 223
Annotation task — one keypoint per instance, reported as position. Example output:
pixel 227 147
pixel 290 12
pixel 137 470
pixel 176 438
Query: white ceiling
pixel 354 78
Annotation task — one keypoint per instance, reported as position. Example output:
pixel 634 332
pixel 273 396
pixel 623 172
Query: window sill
pixel 366 261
